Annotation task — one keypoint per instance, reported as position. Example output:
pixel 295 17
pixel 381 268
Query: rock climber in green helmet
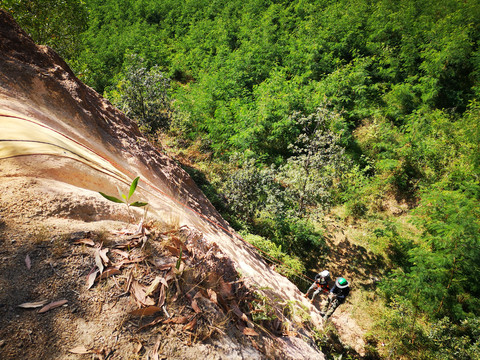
pixel 337 296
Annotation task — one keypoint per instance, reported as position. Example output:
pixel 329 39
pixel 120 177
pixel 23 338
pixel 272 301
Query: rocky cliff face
pixel 128 291
pixel 38 85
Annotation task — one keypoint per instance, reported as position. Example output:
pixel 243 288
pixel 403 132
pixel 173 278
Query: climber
pixel 337 296
pixel 320 285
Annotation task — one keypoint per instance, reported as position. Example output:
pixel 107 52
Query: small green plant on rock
pixel 263 309
pixel 125 199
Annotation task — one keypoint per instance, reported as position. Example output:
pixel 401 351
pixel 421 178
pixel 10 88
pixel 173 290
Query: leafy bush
pixel 452 341
pixel 402 331
pixel 354 191
pixel 252 189
pixel 296 236
pixel 442 278
pixel 406 334
pixel 142 94
pixel 290 266
pixel 57 23
pixel 309 174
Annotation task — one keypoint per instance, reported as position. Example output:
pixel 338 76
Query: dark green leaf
pixel 138 204
pixel 111 198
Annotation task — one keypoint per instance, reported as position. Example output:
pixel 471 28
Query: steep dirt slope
pixel 61 143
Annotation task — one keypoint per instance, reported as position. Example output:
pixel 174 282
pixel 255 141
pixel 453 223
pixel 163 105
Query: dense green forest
pixel 292 110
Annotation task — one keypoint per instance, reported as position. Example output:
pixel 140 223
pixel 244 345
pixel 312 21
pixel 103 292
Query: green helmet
pixel 341 283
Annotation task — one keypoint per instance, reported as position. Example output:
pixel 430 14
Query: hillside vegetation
pixel 288 113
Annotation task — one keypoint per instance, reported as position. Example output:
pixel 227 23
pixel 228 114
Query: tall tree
pixel 57 23
pixel 317 159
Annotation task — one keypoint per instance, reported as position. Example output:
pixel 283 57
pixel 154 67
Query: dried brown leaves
pixel 139 292
pixel 88 242
pixel 210 298
pixel 147 311
pixel 41 303
pixel 53 305
pixel 80 350
pixel 32 305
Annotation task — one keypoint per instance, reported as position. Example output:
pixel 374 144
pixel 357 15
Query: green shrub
pixel 455 341
pixel 289 266
pixel 252 189
pixel 142 94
